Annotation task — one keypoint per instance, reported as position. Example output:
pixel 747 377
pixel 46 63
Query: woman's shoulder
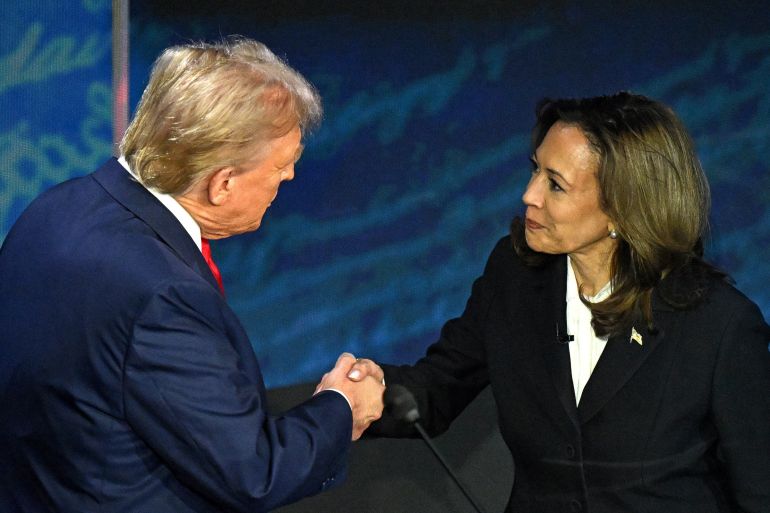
pixel 688 286
pixel 722 293
pixel 718 296
pixel 718 308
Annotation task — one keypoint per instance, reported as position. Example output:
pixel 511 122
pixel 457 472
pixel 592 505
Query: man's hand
pixel 363 368
pixel 364 394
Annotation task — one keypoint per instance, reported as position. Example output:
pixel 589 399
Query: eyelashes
pixel 553 185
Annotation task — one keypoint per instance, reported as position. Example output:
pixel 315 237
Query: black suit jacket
pixel 680 423
pixel 127 384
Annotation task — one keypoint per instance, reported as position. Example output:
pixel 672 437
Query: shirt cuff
pixel 342 394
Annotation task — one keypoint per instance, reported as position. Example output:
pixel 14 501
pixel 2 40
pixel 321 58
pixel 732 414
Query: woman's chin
pixel 536 244
pixel 532 242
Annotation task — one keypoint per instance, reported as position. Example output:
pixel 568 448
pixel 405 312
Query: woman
pixel 628 374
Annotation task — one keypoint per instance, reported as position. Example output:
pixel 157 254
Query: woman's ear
pixel 221 185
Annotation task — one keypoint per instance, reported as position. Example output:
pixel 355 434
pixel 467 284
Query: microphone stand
pixel 438 455
pixel 402 404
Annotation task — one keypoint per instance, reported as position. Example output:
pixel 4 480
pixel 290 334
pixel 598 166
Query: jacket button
pixel 571 451
pixel 575 506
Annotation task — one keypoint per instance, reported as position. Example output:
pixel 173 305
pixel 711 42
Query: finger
pixel 359 370
pixel 343 357
pixel 341 367
pixel 355 373
pixel 372 368
pixel 320 385
pixel 363 368
pixel 359 429
pixel 343 364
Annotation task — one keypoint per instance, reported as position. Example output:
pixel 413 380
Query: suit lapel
pixel 621 358
pixel 132 195
pixel 550 292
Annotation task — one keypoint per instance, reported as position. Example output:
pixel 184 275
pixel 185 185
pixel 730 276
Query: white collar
pixel 168 201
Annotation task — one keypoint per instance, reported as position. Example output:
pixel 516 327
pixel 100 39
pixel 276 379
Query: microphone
pixel 563 339
pixel 403 406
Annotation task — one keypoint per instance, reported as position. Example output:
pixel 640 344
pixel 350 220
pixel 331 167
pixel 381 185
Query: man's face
pixel 256 185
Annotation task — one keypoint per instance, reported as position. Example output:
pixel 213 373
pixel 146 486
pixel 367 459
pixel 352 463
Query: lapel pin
pixel 635 336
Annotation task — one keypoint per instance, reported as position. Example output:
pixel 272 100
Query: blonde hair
pixel 654 190
pixel 209 106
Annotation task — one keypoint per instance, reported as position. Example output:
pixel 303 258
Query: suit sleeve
pixel 454 369
pixel 741 407
pixel 194 398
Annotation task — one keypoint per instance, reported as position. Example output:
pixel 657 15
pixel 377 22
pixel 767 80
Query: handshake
pixel 361 381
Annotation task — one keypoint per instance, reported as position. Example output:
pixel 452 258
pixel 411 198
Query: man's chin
pixel 250 228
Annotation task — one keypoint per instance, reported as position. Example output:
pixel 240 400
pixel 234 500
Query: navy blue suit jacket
pixel 126 382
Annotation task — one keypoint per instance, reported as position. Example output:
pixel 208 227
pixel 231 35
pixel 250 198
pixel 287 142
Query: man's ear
pixel 221 185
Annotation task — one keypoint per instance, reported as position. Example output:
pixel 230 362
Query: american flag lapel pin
pixel 635 336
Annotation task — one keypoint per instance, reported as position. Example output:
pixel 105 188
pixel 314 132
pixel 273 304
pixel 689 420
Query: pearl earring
pixel 613 234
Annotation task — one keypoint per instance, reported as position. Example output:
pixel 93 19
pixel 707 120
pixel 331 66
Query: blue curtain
pixel 422 157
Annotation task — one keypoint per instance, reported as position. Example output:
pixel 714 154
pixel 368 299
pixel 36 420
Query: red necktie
pixel 206 250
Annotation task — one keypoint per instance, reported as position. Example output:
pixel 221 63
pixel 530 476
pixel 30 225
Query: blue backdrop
pixel 423 155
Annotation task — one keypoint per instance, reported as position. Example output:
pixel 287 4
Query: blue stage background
pixel 423 154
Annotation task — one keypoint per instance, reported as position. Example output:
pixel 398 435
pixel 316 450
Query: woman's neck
pixel 592 274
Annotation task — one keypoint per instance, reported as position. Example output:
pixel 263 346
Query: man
pixel 127 384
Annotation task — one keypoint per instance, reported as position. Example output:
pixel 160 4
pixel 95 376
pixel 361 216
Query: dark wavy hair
pixel 653 188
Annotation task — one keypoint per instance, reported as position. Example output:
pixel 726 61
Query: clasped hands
pixel 361 381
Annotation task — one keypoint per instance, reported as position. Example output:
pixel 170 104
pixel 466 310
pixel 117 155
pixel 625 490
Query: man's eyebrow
pixel 299 151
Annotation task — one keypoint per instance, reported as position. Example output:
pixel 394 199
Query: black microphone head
pixel 401 403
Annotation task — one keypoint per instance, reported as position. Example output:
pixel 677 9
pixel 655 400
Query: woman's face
pixel 562 197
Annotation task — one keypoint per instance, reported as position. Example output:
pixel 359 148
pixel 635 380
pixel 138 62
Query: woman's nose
pixel 533 194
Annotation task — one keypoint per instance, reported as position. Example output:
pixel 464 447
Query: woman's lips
pixel 532 225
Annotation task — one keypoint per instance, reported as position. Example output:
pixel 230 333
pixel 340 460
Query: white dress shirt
pixel 184 217
pixel 586 349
